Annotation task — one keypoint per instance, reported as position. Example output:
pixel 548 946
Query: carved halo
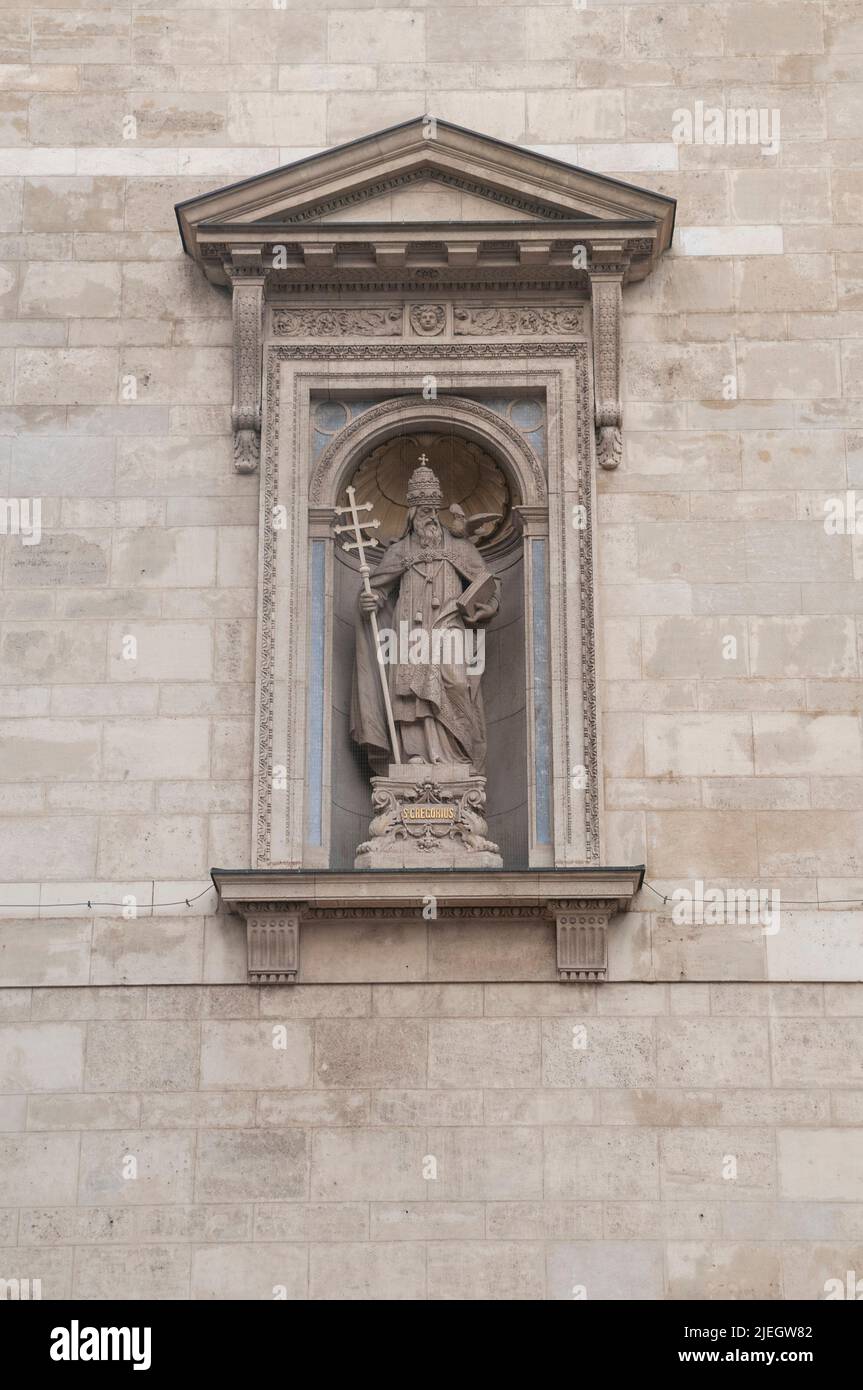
pixel 467 474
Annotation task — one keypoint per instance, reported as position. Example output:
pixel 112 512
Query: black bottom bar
pixel 249 1339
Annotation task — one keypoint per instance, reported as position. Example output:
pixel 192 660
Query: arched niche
pixel 474 438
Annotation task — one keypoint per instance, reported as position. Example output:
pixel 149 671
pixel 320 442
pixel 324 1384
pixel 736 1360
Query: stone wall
pixel 736 762
pixel 415 1141
pixel 124 772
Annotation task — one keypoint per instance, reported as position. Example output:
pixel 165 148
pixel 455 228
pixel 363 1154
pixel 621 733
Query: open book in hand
pixel 475 596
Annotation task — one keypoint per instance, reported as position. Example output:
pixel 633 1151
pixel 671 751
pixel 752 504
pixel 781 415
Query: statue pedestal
pixel 428 816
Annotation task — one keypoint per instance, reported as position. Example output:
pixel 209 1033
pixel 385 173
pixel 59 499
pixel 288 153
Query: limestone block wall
pixel 731 630
pixel 734 760
pixel 443 1142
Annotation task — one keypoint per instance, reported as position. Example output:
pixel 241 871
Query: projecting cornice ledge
pixel 274 903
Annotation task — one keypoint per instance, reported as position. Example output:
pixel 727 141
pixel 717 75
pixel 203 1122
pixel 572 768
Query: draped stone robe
pixel 437 706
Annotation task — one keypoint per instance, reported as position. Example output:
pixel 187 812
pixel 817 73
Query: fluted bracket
pixel 582 937
pixel 272 941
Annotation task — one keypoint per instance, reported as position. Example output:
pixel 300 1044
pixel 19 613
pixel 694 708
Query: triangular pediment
pixel 423 173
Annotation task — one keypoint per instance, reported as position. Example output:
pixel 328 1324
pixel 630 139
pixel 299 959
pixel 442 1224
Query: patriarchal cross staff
pixel 359 544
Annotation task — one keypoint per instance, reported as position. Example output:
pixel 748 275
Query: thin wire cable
pixel 187 902
pixel 789 902
pixel 96 902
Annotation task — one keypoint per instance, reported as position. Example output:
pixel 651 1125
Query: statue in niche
pixel 432 595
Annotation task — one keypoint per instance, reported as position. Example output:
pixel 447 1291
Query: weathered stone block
pixel 370 1052
pixel 724 1271
pixel 712 1052
pixel 351 1165
pixel 590 1163
pixel 614 1270
pixel 257 1055
pixel 718 1164
pixel 136 1168
pixel 486 1164
pixel 486 1052
pixel 436 1221
pixel 146 950
pixel 153 847
pixel 142 1057
pixel 41 1056
pixel 311 1221
pixel 36 1169
pixel 820 1165
pixel 251 1165
pixel 388 1271
pixel 246 1272
pixel 132 1272
pixel 486 1270
pixel 598 1052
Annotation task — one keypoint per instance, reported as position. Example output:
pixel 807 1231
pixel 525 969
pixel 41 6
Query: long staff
pixel 359 544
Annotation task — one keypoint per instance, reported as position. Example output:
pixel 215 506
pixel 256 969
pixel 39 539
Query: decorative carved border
pixel 417 280
pixel 467 352
pixel 266 643
pixel 586 569
pixel 361 913
pixel 333 323
pixel 428 347
pixel 485 321
pixel 607 298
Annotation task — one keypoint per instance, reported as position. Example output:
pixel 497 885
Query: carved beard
pixel 429 532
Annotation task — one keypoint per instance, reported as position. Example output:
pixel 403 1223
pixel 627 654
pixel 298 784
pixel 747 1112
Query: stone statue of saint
pixel 432 593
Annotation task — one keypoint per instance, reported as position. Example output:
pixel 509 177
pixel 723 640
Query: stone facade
pixel 432 1122
pixel 460 1141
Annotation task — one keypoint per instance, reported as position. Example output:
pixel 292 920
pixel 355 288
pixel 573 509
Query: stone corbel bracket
pixel 607 269
pixel 272 941
pixel 582 937
pixel 274 903
pixel 247 275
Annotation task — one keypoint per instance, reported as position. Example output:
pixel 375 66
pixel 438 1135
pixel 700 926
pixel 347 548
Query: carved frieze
pixel 491 322
pixel 337 323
